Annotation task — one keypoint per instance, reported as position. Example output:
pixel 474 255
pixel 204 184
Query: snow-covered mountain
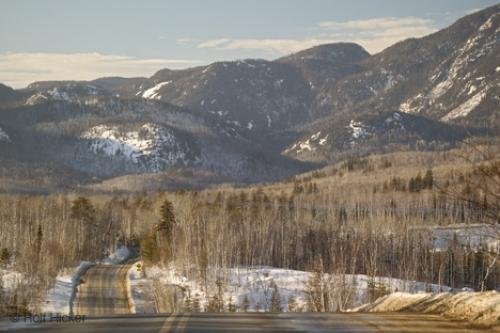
pixel 255 120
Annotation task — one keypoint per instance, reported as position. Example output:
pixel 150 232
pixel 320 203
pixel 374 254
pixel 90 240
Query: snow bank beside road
pixel 60 298
pixel 479 308
pixel 120 255
pixel 140 291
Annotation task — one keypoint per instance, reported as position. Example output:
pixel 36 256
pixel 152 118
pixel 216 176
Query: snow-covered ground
pixel 256 284
pixel 10 279
pixel 140 291
pixel 479 308
pixel 60 297
pixel 120 255
pixel 476 236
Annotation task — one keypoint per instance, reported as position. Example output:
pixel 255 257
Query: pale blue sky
pixel 79 39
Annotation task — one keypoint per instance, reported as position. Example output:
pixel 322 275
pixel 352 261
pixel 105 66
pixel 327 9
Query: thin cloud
pixel 20 69
pixel 374 34
pixel 214 43
pixel 184 41
pixel 377 24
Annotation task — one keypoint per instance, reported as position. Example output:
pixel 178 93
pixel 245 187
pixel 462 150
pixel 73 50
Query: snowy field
pixel 257 286
pixel 60 297
pixel 475 235
pixel 10 279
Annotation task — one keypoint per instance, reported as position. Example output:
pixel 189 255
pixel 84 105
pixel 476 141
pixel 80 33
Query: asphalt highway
pixel 103 291
pixel 255 322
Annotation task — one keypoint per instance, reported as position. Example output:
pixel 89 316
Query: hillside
pixel 255 120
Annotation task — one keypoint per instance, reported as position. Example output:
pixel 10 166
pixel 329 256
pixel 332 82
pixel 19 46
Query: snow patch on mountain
pixel 269 121
pixel 86 94
pixel 150 143
pixel 310 144
pixel 36 99
pixel 481 44
pixel 153 93
pixel 472 89
pixel 359 130
pixel 465 108
pixel 412 105
pixel 4 136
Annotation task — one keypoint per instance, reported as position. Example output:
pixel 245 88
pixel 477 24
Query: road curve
pixel 103 291
pixel 260 322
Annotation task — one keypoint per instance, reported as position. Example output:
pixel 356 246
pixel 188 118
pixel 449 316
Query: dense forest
pixel 372 216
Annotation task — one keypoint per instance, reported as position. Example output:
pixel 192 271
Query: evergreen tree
pixel 245 305
pixel 292 304
pixel 165 230
pixel 167 217
pixel 258 307
pixel 38 241
pixel 2 295
pixel 196 304
pixel 276 300
pixel 84 212
pixel 214 304
pixel 4 257
pixel 188 304
pixel 149 249
pixel 315 290
pixel 231 307
pixel 428 181
pixel 418 183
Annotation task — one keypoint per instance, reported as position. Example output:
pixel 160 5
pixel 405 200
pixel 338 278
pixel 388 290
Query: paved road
pixel 260 322
pixel 103 291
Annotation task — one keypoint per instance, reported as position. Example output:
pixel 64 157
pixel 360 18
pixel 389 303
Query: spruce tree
pixel 428 181
pixel 188 304
pixel 165 230
pixel 231 307
pixel 292 304
pixel 276 300
pixel 4 257
pixel 167 217
pixel 245 305
pixel 196 304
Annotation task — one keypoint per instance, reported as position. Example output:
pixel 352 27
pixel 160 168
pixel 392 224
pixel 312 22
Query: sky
pixel 87 39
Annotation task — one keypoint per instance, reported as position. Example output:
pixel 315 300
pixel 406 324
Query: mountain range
pixel 253 120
